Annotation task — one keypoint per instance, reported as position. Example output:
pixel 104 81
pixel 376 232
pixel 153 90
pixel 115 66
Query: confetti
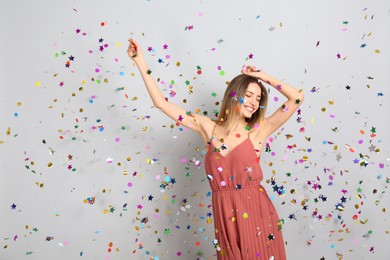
pixel 86 136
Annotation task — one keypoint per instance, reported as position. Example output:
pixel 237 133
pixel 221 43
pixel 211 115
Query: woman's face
pixel 251 100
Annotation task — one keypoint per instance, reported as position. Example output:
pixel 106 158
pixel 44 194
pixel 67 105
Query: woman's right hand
pixel 134 51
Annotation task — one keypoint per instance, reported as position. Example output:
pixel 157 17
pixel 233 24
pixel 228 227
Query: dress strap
pixel 212 133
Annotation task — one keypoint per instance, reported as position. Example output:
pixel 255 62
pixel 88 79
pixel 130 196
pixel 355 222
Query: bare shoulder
pixel 206 127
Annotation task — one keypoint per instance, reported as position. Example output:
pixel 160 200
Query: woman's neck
pixel 237 126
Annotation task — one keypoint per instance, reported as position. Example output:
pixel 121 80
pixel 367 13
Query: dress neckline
pixel 227 155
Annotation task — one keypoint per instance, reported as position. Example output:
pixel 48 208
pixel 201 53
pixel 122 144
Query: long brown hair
pixel 231 102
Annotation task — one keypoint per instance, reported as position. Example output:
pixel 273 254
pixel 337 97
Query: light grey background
pixel 296 41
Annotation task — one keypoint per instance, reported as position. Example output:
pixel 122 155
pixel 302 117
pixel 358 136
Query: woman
pixel 246 223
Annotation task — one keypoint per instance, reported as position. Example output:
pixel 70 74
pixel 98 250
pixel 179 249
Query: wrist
pixel 141 65
pixel 260 74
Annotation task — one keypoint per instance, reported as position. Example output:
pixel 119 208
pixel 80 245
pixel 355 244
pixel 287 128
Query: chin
pixel 248 116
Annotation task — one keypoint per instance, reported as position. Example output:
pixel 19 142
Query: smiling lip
pixel 250 109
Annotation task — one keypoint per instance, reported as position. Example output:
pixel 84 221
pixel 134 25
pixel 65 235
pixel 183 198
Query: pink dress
pixel 245 220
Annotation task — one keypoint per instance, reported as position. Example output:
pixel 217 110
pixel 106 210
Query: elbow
pixel 301 96
pixel 159 104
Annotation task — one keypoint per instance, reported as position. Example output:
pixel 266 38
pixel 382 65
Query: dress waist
pixel 253 184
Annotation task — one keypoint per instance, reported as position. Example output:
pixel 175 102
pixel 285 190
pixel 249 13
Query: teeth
pixel 249 109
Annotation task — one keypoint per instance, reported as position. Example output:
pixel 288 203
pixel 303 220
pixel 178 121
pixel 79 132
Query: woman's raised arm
pixel 294 98
pixel 192 121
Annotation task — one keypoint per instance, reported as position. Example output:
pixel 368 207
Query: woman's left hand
pixel 250 71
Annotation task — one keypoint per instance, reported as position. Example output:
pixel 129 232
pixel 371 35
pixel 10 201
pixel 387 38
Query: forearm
pixel 285 89
pixel 151 86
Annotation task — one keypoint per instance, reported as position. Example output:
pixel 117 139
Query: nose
pixel 253 102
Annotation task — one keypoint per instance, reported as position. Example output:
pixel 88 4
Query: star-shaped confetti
pixel 271 237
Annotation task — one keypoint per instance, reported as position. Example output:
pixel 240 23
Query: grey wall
pixel 66 133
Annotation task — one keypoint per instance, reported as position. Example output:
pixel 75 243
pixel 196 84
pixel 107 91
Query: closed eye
pixel 249 95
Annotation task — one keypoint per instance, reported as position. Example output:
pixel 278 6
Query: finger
pixel 251 68
pixel 134 44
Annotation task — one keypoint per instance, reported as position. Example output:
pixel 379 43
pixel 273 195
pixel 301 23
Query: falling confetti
pixel 82 137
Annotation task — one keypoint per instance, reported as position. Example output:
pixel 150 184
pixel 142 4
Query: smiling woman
pixel 89 167
pixel 241 89
pixel 246 223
